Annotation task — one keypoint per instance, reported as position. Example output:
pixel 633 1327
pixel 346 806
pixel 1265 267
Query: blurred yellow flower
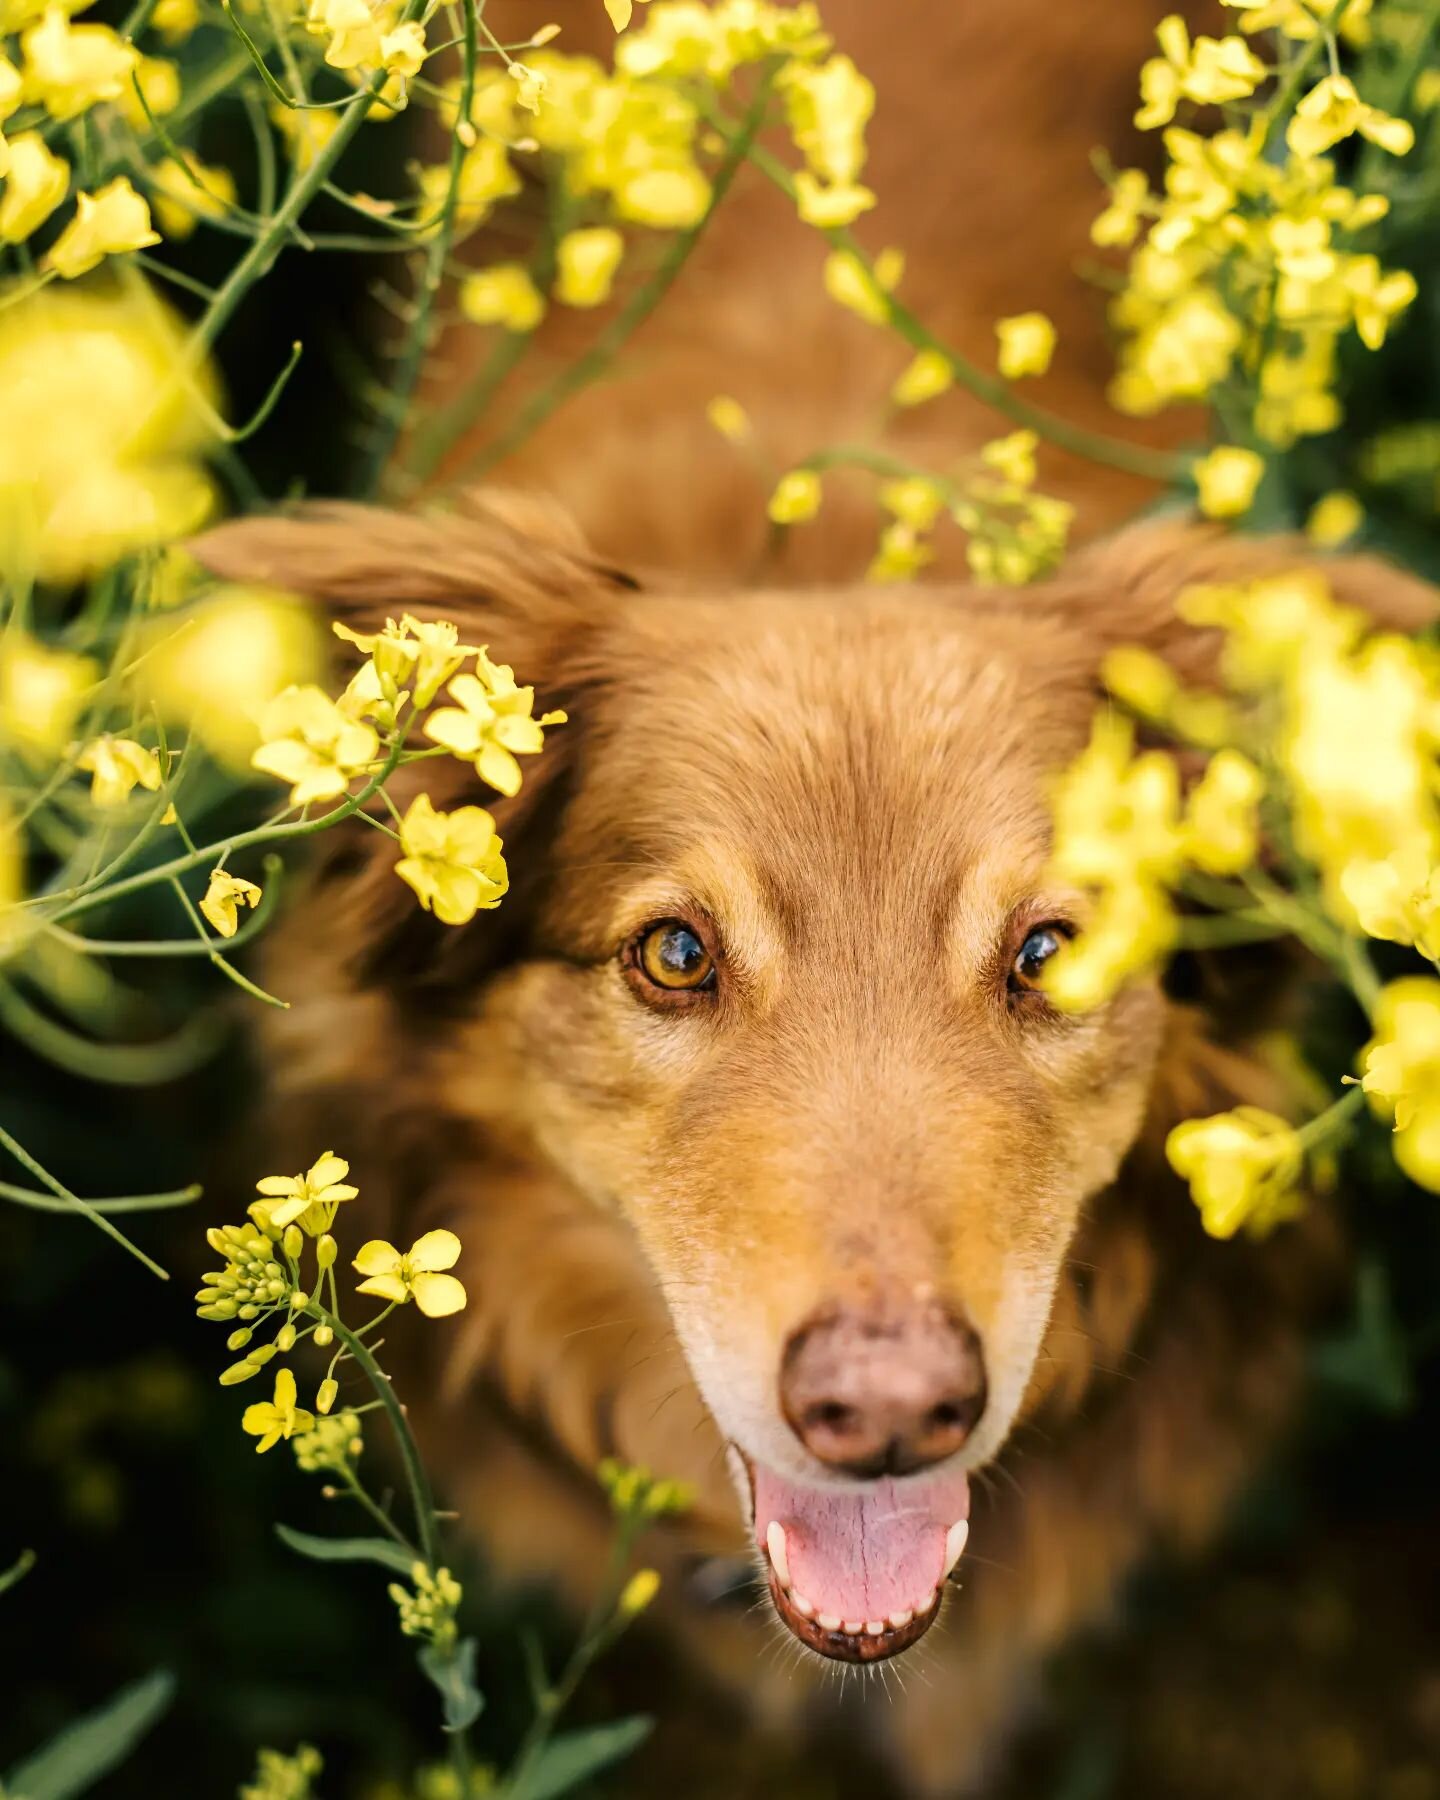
pixel 1334 520
pixel 863 291
pixel 1116 813
pixel 37 182
pixel 1012 456
pixel 1401 1065
pixel 1379 296
pixel 1222 818
pixel 796 497
pixel 41 691
pixel 1398 899
pixel 503 295
pixel 667 199
pixel 117 766
pixel 529 86
pixel 310 743
pixel 223 899
pixel 900 555
pixel 486 178
pixel 218 664
pixel 637 1593
pixel 1130 928
pixel 354 32
pixel 1242 1167
pixel 1226 480
pixel 416 1275
pixel 158 81
pixel 402 51
pixel 586 264
pixel 491 723
pixel 308 1200
pixel 109 222
pixel 729 418
pixel 452 860
pixel 271 1420
pixel 175 19
pixel 1027 342
pixel 69 67
pixel 925 378
pixel 1210 72
pixel 1118 225
pixel 1332 110
pixel 828 105
pixel 184 196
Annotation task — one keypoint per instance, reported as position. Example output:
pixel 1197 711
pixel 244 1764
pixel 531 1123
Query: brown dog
pixel 745 1106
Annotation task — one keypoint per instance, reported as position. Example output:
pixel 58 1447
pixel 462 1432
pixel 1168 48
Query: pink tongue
pixel 868 1553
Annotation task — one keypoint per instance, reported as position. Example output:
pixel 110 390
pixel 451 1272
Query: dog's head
pixel 768 988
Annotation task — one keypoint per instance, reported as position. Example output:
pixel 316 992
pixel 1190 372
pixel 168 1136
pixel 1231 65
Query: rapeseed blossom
pixel 1243 1168
pixel 491 723
pixel 452 860
pixel 418 1274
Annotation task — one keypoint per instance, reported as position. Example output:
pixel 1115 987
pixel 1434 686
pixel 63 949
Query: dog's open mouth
pixel 857 1575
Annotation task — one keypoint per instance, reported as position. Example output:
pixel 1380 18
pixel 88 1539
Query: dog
pixel 774 1169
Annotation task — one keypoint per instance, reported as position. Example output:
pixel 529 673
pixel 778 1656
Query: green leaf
pixel 575 1756
pixel 453 1672
pixel 17 1571
pixel 389 1555
pixel 94 1745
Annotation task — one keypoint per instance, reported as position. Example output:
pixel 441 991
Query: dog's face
pixel 780 1010
pixel 771 991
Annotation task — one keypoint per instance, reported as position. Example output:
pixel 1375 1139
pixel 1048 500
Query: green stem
pixel 124 1203
pixel 76 1204
pixel 377 1512
pixel 993 390
pixel 617 333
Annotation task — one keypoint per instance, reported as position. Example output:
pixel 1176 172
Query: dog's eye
pixel 672 956
pixel 1033 954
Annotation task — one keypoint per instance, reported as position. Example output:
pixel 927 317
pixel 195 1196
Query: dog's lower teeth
pixel 779 1557
pixel 827 1621
pixel 897 1620
pixel 853 1627
pixel 801 1605
pixel 874 1627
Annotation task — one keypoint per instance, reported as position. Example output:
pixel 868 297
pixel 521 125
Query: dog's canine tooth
pixel 827 1621
pixel 801 1604
pixel 874 1627
pixel 897 1620
pixel 779 1556
pixel 955 1540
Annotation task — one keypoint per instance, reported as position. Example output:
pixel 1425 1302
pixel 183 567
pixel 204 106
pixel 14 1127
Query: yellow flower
pixel 620 12
pixel 796 497
pixel 1211 72
pixel 491 723
pixel 863 291
pixel 109 222
pixel 12 88
pixel 271 1420
pixel 1379 296
pixel 175 19
pixel 1402 1073
pixel 1130 929
pixel 1027 342
pixel 1226 480
pixel 308 1200
pixel 529 86
pixel 402 51
pixel 502 295
pixel 1334 520
pixel 452 860
pixel 117 766
pixel 927 377
pixel 915 499
pixel 901 554
pixel 1012 456
pixel 309 742
pixel 417 1275
pixel 182 196
pixel 354 32
pixel 666 199
pixel 1242 1167
pixel 729 418
pixel 1332 110
pixel 1269 624
pixel 224 897
pixel 1116 814
pixel 1398 899
pixel 423 653
pixel 158 81
pixel 41 691
pixel 586 263
pixel 1119 224
pixel 486 178
pixel 1222 826
pixel 637 1593
pixel 828 106
pixel 69 67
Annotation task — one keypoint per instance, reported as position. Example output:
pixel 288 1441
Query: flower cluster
pixel 428 1606
pixel 1249 266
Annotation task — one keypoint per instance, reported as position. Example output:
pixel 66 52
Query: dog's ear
pixel 514 574
pixel 1123 589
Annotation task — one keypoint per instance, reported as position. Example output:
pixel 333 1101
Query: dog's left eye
pixel 1032 956
pixel 672 956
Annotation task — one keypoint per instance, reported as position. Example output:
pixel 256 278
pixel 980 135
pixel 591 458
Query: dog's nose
pixel 882 1393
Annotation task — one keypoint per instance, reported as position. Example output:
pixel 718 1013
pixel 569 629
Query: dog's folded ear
pixel 1123 589
pixel 514 574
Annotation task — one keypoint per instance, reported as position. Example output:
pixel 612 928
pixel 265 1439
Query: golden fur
pixel 848 786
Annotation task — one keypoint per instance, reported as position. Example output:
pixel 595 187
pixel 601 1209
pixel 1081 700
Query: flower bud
pixel 220 1311
pixel 325 1250
pixel 261 1355
pixel 285 1338
pixel 293 1242
pixel 237 1340
pixel 324 1336
pixel 240 1371
pixel 638 1592
pixel 325 1399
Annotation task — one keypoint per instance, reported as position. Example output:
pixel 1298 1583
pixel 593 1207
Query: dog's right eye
pixel 671 955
